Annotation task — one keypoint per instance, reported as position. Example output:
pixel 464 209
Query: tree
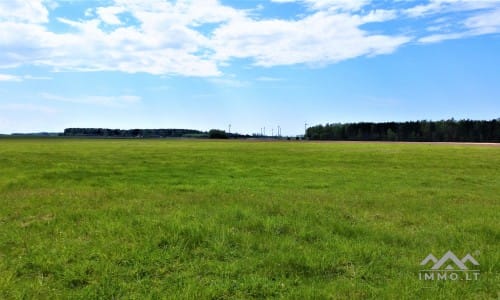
pixel 217 134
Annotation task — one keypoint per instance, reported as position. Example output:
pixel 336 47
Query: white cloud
pixel 316 39
pixel 30 77
pixel 89 12
pixel 167 42
pixel 484 23
pixel 435 38
pixel 439 6
pixel 109 14
pixel 16 78
pixel 479 24
pixel 115 101
pixel 127 49
pixel 27 107
pixel 29 11
pixel 164 43
pixel 200 37
pixel 348 5
pixel 10 78
pixel 229 82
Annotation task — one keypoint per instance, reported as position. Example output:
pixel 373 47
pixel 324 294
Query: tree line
pixel 418 131
pixel 151 133
pixel 127 133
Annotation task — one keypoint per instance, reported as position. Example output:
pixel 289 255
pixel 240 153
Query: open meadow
pixel 200 219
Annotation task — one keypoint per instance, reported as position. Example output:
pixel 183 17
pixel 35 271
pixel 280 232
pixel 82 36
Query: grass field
pixel 148 219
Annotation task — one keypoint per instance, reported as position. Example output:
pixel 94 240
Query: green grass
pixel 148 219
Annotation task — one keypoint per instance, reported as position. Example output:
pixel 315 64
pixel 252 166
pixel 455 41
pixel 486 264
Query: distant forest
pixel 150 133
pixel 145 133
pixel 418 131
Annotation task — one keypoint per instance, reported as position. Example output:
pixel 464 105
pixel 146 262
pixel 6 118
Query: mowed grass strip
pixel 149 219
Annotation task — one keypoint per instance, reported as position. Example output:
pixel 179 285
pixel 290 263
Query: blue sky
pixel 205 64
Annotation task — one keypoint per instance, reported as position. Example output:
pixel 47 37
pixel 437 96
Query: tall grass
pixel 148 219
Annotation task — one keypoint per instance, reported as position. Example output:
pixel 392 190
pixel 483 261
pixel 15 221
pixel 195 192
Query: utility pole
pixel 264 131
pixel 229 128
pixel 305 128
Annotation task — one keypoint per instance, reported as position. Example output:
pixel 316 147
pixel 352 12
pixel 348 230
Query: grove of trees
pixel 150 133
pixel 418 131
pixel 217 134
pixel 145 133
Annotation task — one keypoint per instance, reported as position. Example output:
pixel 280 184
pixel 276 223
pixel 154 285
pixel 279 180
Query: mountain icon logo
pixel 449 261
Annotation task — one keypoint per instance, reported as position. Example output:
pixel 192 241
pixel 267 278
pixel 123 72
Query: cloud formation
pixel 33 11
pixel 16 78
pixel 10 78
pixel 23 107
pixel 199 37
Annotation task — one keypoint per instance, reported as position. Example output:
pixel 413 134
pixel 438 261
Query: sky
pixel 203 64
